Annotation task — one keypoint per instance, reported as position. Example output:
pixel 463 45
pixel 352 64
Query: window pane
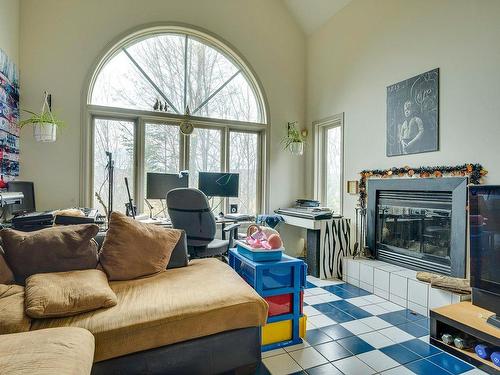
pixel 204 153
pixel 161 147
pixel 333 167
pixel 120 84
pixel 161 155
pixel 208 70
pixel 179 71
pixel 162 59
pixel 118 138
pixel 244 159
pixel 236 101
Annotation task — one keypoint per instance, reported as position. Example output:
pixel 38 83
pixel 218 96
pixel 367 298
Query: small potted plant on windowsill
pixel 44 123
pixel 294 140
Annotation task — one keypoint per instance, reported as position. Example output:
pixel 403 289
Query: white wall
pixel 60 40
pixel 9 28
pixel 369 45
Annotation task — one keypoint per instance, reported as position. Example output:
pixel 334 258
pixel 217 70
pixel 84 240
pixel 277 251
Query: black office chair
pixel 189 210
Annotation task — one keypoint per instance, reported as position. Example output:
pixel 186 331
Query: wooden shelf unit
pixel 466 318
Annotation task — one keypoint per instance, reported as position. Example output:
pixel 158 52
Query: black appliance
pixel 484 220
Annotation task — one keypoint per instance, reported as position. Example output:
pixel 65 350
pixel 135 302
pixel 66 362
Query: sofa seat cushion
pixel 204 298
pixel 12 316
pixel 47 352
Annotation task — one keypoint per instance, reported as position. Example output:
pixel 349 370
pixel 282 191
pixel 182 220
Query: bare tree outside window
pixel 178 71
pixel 243 159
pixel 333 167
pixel 115 137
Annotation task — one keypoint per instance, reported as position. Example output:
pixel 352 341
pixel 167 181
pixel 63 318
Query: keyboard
pixel 306 213
pixel 90 216
pixel 33 220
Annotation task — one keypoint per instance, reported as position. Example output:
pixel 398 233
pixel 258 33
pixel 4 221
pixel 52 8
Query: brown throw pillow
pixel 6 275
pixel 56 249
pixel 51 295
pixel 133 249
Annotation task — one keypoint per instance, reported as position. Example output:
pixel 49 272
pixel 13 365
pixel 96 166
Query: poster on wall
pixel 9 118
pixel 413 115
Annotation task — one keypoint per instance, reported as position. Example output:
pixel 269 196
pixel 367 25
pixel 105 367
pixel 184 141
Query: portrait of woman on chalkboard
pixel 412 115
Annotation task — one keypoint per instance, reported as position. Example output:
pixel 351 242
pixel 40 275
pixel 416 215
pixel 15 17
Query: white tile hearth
pixel 395 284
pixel 418 292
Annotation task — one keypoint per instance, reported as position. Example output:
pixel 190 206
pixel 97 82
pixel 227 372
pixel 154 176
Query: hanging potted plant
pixel 44 123
pixel 294 140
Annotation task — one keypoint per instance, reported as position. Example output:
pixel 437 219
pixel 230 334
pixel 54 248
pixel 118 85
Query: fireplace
pixel 419 223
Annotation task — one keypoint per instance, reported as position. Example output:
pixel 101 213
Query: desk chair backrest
pixel 189 210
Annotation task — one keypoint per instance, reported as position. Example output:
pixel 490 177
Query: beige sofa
pixel 181 306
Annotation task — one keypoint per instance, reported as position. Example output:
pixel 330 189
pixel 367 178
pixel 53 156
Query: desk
pixel 222 221
pixel 328 240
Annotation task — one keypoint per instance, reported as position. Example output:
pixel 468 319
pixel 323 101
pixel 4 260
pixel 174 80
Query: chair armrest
pixel 232 227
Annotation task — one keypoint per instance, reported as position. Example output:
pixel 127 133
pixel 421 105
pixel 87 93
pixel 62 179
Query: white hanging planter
pixel 44 124
pixel 45 132
pixel 296 148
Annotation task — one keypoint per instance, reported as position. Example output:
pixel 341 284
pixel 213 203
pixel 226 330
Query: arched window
pixel 149 85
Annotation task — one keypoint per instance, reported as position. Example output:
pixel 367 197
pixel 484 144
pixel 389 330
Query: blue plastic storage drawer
pixel 275 277
pixel 259 256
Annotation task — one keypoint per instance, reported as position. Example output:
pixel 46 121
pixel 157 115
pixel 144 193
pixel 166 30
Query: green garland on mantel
pixel 473 171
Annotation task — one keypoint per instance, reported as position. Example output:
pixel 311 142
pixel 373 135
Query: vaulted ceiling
pixel 312 14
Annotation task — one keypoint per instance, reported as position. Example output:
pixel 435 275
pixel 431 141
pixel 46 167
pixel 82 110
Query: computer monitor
pixel 28 190
pixel 219 184
pixel 159 184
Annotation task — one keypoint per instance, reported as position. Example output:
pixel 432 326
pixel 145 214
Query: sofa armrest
pixel 179 256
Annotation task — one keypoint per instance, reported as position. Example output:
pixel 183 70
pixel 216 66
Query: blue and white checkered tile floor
pixel 353 332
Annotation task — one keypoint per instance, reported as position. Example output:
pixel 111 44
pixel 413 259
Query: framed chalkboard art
pixel 413 115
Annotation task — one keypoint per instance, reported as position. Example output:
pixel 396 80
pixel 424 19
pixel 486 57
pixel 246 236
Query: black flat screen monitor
pixel 28 190
pixel 484 220
pixel 219 184
pixel 159 184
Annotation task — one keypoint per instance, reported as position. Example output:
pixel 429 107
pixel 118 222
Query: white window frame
pixel 320 131
pixel 141 117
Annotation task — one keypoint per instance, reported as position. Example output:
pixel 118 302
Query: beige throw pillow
pixel 49 295
pixel 133 249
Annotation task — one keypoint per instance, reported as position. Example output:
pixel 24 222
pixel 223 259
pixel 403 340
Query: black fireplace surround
pixel 419 223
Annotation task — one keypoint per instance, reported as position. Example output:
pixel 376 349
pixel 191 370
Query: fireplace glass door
pixel 415 224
